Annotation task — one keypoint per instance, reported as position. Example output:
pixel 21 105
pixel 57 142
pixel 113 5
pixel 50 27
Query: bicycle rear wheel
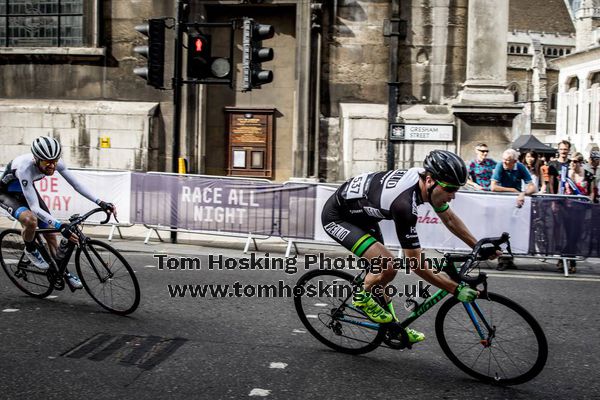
pixel 107 277
pixel 29 279
pixel 323 301
pixel 514 349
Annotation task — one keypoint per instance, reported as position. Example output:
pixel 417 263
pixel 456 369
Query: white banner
pixel 63 201
pixel 486 215
pixel 323 194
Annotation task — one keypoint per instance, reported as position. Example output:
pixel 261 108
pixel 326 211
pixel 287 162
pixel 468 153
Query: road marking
pixel 298 331
pixel 259 392
pixel 320 305
pixel 10 310
pixel 149 266
pixel 52 297
pixel 311 316
pixel 549 278
pixel 278 365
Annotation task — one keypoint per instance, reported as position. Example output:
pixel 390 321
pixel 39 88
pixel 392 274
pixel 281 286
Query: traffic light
pixel 154 52
pixel 254 54
pixel 201 65
pixel 199 58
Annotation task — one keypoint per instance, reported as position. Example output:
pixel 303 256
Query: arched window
pixel 595 78
pixel 561 52
pixel 525 50
pixel 568 51
pixel 512 50
pixel 573 83
pixel 554 52
pixel 514 88
pixel 518 49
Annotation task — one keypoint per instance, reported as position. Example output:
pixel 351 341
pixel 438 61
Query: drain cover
pixel 144 352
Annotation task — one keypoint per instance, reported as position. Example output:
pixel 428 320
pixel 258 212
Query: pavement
pixel 231 347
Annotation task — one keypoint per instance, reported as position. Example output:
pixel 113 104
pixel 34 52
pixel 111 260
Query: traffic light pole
pixel 177 86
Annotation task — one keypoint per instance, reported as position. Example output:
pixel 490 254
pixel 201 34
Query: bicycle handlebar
pixel 483 249
pixel 77 219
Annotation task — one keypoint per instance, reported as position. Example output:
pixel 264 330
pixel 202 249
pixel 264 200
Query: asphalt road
pixel 231 348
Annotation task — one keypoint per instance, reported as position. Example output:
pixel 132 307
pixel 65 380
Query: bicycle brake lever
pixel 508 248
pixel 484 293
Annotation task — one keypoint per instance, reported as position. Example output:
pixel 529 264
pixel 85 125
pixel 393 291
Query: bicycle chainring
pixel 396 337
pixel 55 280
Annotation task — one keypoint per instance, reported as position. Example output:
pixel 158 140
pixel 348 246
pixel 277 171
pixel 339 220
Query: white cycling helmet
pixel 46 148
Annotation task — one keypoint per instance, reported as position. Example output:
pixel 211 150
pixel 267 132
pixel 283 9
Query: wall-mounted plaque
pixel 250 141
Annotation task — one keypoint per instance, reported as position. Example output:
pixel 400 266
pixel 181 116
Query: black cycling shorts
pixel 356 233
pixel 15 203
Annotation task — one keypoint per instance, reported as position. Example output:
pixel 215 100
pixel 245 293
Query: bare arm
pixel 551 183
pixel 424 271
pixel 495 187
pixel 472 183
pixel 530 189
pixel 457 227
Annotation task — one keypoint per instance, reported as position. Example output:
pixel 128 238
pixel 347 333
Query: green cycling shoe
pixel 364 301
pixel 413 336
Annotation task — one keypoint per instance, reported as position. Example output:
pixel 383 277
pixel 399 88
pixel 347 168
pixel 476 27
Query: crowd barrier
pixel 547 225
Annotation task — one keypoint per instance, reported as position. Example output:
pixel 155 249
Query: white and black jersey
pixel 17 192
pixel 360 203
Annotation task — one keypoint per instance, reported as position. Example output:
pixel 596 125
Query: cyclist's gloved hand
pixel 66 230
pixel 465 294
pixel 108 207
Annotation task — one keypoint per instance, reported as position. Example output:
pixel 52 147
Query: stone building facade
pixel 536 39
pixel 335 62
pixel 578 106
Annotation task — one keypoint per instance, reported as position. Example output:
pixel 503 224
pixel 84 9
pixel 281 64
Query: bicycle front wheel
pixel 495 340
pixel 323 300
pixel 107 277
pixel 18 268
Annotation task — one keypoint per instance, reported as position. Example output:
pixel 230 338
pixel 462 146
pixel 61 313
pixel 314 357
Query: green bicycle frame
pixel 426 306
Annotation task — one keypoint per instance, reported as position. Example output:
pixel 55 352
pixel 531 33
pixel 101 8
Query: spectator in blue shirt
pixel 509 175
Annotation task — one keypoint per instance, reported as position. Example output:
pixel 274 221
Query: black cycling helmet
pixel 446 167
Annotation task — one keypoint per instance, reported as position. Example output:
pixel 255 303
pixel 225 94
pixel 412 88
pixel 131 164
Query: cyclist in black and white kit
pixel 19 197
pixel 351 217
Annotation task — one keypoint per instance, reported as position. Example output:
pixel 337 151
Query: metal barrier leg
pixel 565 266
pixel 148 235
pixel 120 233
pixel 288 249
pixel 112 231
pixel 247 243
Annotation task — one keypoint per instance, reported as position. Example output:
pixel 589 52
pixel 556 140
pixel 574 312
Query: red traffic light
pixel 199 44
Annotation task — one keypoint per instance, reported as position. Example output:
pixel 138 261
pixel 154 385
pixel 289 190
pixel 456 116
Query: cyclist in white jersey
pixel 19 197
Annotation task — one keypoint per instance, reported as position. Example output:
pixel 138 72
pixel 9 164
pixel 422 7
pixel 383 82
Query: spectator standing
pixel 559 168
pixel 481 168
pixel 544 175
pixel 533 165
pixel 509 176
pixel 580 182
pixel 594 169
